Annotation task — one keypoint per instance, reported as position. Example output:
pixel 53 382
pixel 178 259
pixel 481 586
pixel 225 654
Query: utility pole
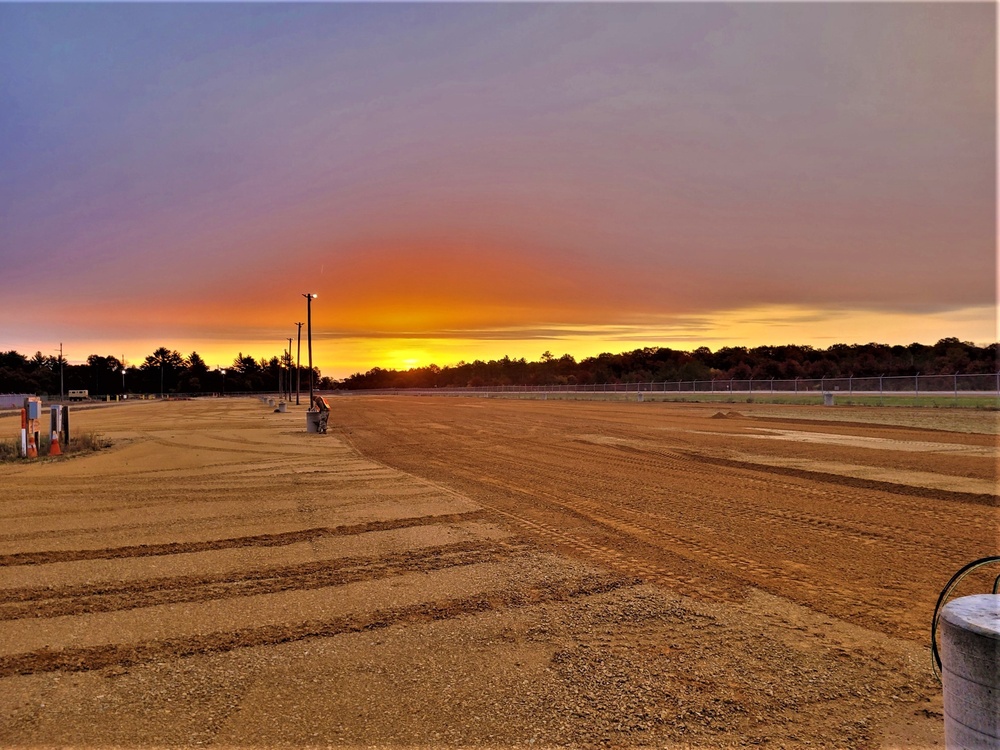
pixel 298 366
pixel 62 392
pixel 288 363
pixel 309 337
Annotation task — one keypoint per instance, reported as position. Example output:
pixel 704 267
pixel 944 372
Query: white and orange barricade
pixel 55 428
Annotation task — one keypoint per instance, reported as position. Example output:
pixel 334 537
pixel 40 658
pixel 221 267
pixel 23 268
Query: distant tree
pixel 195 376
pixel 162 367
pixel 246 365
pixel 13 360
pixel 196 365
pixel 102 374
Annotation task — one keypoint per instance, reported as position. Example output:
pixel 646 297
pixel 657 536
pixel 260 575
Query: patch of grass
pixel 936 401
pixel 10 450
pixel 88 442
pixel 82 443
pixel 932 399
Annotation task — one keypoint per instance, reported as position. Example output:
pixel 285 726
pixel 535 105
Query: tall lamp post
pixel 280 382
pixel 309 338
pixel 298 366
pixel 62 392
pixel 288 364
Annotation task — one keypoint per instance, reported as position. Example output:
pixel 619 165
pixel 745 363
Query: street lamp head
pixel 310 296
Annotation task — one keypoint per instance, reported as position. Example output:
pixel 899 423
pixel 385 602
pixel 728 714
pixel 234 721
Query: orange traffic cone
pixel 54 445
pixel 32 449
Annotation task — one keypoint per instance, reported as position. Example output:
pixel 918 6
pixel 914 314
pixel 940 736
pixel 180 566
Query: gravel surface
pixel 486 573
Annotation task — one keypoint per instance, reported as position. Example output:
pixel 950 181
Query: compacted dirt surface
pixel 487 572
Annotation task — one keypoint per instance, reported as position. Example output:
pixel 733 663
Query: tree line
pixel 165 371
pixel 657 364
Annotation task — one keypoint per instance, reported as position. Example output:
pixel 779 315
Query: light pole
pixel 223 382
pixel 298 366
pixel 309 338
pixel 288 362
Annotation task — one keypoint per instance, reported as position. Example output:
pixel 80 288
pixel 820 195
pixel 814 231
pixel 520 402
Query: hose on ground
pixel 945 593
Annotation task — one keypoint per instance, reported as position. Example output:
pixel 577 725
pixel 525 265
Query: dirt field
pixel 485 572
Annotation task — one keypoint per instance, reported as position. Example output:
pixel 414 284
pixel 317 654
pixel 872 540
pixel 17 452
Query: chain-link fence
pixel 913 385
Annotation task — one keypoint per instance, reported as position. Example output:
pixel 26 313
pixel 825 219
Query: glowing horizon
pixel 341 353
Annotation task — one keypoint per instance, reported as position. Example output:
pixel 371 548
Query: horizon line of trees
pixel 657 364
pixel 165 371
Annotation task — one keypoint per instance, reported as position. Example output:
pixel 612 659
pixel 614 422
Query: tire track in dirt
pixel 822 592
pixel 760 475
pixel 642 566
pixel 259 540
pixel 245 447
pixel 606 551
pixel 751 475
pixel 608 557
pixel 851 527
pixel 992 501
pixel 291 516
pixel 620 520
pixel 603 515
pixel 76 600
pixel 209 493
pixel 126 655
pixel 777 531
pixel 773 579
pixel 602 554
pixel 847 427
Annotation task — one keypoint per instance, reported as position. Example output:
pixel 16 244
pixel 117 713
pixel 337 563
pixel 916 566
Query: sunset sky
pixel 465 181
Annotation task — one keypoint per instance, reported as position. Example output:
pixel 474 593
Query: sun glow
pixel 750 327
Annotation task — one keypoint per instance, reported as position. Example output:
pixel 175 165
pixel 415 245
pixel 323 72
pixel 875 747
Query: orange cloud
pixel 434 285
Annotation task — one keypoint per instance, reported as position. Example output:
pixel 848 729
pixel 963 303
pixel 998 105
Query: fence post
pixel 916 385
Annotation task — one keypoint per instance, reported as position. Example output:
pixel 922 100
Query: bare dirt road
pixel 485 572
